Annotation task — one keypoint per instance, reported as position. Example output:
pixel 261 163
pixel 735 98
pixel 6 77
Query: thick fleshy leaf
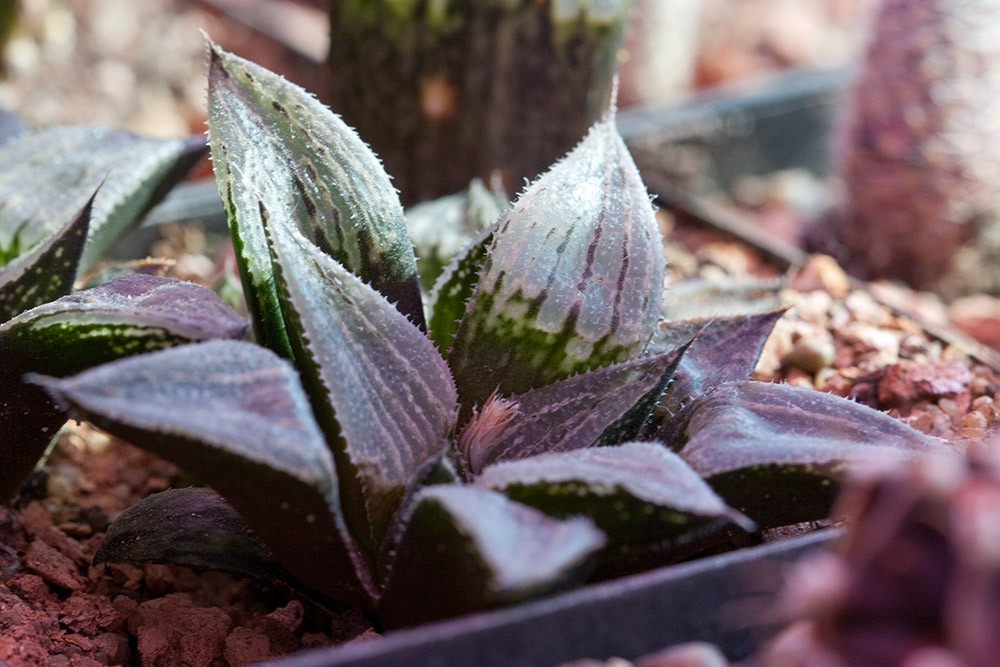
pixel 778 453
pixel 48 270
pixel 276 148
pixel 727 350
pixel 125 316
pixel 381 392
pixel 573 280
pixel 643 496
pixel 234 415
pixel 49 175
pixel 454 288
pixel 193 527
pixel 600 407
pixel 442 228
pixel 465 549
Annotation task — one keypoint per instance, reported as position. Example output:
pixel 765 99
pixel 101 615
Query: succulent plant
pixel 914 579
pixel 916 150
pixel 51 225
pixel 539 423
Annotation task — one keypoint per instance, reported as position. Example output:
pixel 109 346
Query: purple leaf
pixel 726 350
pixel 573 280
pixel 48 270
pixel 234 415
pixel 465 549
pixel 49 175
pixel 381 391
pixel 778 453
pixel 275 147
pixel 125 316
pixel 193 527
pixel 599 407
pixel 642 495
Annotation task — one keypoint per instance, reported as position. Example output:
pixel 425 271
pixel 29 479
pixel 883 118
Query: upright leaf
pixel 127 315
pixel 603 406
pixel 454 287
pixel 193 527
pixel 48 270
pixel 381 392
pixel 793 442
pixel 573 278
pixel 234 415
pixel 465 549
pixel 48 175
pixel 643 496
pixel 276 148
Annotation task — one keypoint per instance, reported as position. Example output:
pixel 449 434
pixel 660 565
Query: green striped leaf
pixel 127 315
pixel 795 443
pixel 573 278
pixel 275 147
pixel 47 176
pixel 454 287
pixel 48 270
pixel 643 496
pixel 234 415
pixel 465 549
pixel 381 392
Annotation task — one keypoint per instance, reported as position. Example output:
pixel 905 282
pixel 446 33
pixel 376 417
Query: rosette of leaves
pixel 499 449
pixel 65 195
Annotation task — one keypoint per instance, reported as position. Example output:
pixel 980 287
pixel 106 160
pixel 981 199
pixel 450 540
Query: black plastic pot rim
pixel 728 600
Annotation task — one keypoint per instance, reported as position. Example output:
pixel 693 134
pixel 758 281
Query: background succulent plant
pixel 914 579
pixel 556 427
pixel 916 150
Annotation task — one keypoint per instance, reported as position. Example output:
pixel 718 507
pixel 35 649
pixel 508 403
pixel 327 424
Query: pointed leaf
pixel 599 407
pixel 381 392
pixel 727 350
pixel 454 287
pixel 49 175
pixel 778 453
pixel 126 315
pixel 193 527
pixel 466 549
pixel 573 279
pixel 234 415
pixel 48 270
pixel 643 496
pixel 275 147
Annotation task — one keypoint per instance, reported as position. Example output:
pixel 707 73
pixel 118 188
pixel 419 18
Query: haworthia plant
pixel 378 472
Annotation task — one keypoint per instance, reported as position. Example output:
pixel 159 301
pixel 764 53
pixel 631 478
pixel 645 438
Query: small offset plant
pixel 536 425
